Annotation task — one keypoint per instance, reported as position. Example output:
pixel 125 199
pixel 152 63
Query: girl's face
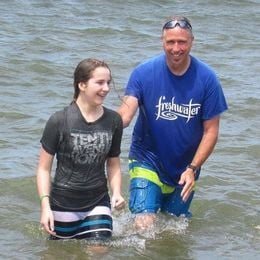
pixel 97 87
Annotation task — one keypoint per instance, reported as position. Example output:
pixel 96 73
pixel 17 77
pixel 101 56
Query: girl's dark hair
pixel 84 72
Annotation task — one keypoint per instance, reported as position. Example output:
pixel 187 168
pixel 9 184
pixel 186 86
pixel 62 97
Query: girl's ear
pixel 82 86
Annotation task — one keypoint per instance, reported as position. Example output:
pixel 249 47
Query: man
pixel 180 101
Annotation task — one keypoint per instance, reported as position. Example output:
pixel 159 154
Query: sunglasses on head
pixel 184 24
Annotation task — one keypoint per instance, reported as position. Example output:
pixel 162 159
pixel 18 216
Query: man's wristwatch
pixel 193 167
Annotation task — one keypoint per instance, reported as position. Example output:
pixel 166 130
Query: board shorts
pixel 92 224
pixel 149 195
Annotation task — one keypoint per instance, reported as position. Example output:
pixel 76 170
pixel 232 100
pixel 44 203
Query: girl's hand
pixel 47 221
pixel 117 202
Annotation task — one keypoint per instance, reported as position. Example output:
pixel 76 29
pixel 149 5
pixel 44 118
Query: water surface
pixel 42 42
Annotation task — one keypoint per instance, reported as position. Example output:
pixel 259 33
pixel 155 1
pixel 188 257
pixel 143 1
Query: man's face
pixel 177 43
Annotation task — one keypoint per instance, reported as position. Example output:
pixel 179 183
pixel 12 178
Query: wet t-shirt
pixel 169 127
pixel 81 149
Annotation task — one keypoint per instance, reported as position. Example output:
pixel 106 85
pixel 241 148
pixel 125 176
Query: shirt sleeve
pixel 133 87
pixel 115 149
pixel 51 134
pixel 214 100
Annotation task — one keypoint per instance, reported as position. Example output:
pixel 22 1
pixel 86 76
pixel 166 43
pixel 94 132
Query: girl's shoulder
pixel 58 117
pixel 112 115
pixel 111 112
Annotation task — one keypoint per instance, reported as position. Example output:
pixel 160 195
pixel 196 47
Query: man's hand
pixel 188 180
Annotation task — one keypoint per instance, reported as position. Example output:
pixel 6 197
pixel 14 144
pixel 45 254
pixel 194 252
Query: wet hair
pixel 84 71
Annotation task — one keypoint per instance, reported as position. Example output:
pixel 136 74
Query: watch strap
pixel 193 167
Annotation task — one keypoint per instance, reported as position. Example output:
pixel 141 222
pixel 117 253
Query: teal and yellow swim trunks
pixel 149 195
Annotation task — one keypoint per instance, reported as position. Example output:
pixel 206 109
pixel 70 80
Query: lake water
pixel 41 43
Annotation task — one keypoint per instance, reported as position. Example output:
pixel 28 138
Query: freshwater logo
pixel 171 110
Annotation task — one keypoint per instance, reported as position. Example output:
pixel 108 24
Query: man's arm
pixel 208 141
pixel 128 109
pixel 206 146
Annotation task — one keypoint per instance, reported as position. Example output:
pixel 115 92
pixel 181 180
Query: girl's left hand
pixel 118 202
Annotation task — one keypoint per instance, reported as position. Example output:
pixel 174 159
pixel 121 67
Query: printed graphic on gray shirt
pixel 89 148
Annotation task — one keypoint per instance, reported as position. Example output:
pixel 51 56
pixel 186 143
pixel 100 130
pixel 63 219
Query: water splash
pixel 124 233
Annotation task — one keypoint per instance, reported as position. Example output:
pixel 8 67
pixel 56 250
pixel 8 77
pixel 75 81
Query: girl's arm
pixel 115 182
pixel 43 179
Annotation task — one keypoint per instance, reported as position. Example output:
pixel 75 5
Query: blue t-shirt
pixel 172 109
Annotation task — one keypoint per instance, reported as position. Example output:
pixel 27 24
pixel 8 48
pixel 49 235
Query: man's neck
pixel 179 69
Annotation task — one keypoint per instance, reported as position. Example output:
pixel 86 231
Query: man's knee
pixel 144 221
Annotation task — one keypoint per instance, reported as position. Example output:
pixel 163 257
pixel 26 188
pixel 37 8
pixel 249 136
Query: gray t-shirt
pixel 81 149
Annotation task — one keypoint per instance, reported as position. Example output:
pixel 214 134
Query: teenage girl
pixel 85 137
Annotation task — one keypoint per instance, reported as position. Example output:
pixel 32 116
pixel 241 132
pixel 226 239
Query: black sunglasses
pixel 184 24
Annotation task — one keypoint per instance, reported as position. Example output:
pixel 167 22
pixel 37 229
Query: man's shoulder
pixel 202 65
pixel 151 61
